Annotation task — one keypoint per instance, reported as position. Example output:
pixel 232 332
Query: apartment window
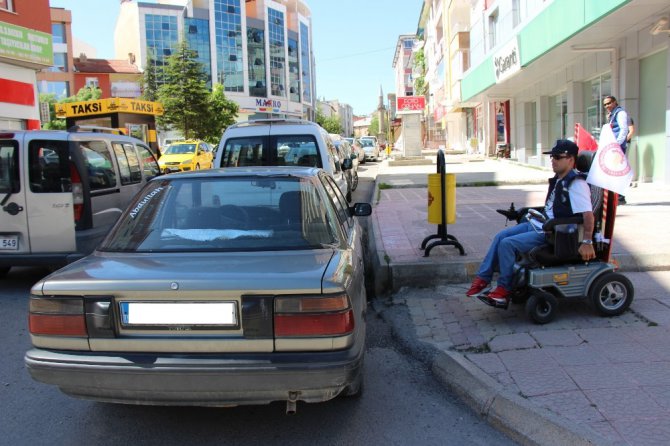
pixel 256 59
pixel 558 117
pixel 7 5
pixel 92 82
pixel 60 63
pixel 306 68
pixel 277 56
pixel 162 36
pixel 493 29
pixel 60 89
pixel 516 13
pixel 198 41
pixel 594 92
pixel 228 36
pixel 58 32
pixel 408 44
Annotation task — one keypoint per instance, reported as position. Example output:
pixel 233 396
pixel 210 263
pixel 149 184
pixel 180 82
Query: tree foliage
pixel 420 86
pixel 150 80
pixel 373 130
pixel 331 124
pixel 189 106
pixel 84 94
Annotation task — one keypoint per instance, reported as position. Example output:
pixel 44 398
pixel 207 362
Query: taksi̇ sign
pixel 110 105
pixel 507 61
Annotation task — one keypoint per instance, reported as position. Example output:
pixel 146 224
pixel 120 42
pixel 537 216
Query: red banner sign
pixel 411 103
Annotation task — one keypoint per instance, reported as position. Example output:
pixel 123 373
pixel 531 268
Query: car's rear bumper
pixel 202 380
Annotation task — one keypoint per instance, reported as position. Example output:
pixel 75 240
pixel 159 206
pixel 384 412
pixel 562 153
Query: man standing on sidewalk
pixel 568 194
pixel 618 119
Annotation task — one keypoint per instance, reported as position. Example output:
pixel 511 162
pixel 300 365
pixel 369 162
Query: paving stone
pixel 626 404
pixel 538 359
pixel 572 405
pixel 556 338
pixel 488 362
pixel 542 382
pixel 600 335
pixel 607 431
pixel 647 374
pixel 626 352
pixel 512 342
pixel 578 355
pixel 644 432
pixel 660 394
pixel 599 376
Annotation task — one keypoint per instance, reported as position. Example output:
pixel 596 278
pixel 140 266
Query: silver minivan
pixel 61 191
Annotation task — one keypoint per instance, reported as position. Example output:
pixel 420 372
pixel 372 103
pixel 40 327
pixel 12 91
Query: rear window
pixel 226 214
pixel 278 150
pixel 99 165
pixel 49 166
pixel 9 168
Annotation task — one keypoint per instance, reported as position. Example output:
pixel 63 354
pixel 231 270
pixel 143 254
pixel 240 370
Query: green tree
pixel 330 124
pixel 84 94
pixel 222 113
pixel 373 130
pixel 420 87
pixel 150 80
pixel 184 93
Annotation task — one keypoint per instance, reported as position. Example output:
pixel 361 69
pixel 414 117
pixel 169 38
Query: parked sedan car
pixel 186 155
pixel 358 150
pixel 345 152
pixel 370 147
pixel 215 288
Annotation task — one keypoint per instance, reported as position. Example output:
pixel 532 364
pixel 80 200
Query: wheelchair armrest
pixel 550 224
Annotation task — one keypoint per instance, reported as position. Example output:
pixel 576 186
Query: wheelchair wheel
pixel 611 294
pixel 541 307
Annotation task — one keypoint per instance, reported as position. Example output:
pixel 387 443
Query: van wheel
pixel 3 271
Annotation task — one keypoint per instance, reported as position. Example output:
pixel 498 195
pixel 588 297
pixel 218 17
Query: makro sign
pixel 23 44
pixel 410 104
pixel 110 105
pixel 507 61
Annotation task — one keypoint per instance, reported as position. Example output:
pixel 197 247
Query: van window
pixel 9 168
pixel 149 163
pixel 245 152
pixel 129 163
pixel 297 150
pixel 99 165
pixel 49 166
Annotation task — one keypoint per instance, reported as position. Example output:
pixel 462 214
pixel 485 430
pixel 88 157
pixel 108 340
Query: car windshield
pixel 231 213
pixel 366 142
pixel 180 149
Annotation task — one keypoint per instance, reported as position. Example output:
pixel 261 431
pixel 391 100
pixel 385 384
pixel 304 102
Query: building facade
pixel 540 67
pixel 259 50
pixel 25 47
pixel 58 79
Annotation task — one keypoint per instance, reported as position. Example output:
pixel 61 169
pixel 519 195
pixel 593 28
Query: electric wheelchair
pixel 556 271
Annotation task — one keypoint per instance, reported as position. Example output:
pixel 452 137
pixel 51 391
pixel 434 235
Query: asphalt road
pixel 402 404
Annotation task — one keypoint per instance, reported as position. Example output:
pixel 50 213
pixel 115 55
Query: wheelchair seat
pixel 563 242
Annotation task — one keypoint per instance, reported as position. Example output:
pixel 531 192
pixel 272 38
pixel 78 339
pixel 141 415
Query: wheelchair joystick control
pixel 510 214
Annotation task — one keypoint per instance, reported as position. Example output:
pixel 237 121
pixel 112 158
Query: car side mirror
pixel 347 164
pixel 361 209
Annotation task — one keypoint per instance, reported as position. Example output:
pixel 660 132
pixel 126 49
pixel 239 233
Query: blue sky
pixel 354 42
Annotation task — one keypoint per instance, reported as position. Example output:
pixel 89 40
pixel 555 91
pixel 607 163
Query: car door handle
pixel 12 208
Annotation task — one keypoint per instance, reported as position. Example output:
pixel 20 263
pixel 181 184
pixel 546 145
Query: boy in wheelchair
pixel 568 196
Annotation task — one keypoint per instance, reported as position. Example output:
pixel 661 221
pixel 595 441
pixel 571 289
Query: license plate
pixel 183 313
pixel 9 243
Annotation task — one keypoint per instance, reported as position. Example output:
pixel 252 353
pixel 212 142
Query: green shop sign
pixel 28 45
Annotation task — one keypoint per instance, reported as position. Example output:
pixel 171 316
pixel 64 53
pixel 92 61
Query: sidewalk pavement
pixel 581 379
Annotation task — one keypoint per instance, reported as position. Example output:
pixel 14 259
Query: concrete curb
pixel 522 420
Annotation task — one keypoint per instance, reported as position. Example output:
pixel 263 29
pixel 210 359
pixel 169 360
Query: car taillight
pixel 57 316
pixel 313 316
pixel 77 192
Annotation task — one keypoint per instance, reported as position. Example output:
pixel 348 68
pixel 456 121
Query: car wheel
pixel 611 294
pixel 4 271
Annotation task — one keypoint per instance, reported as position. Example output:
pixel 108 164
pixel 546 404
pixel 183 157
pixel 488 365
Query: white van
pixel 61 191
pixel 282 142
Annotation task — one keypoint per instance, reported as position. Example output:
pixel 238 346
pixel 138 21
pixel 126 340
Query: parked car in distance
pixel 345 151
pixel 358 150
pixel 281 142
pixel 182 156
pixel 215 288
pixel 63 190
pixel 370 147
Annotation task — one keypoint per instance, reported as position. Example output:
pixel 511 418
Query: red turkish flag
pixel 584 140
